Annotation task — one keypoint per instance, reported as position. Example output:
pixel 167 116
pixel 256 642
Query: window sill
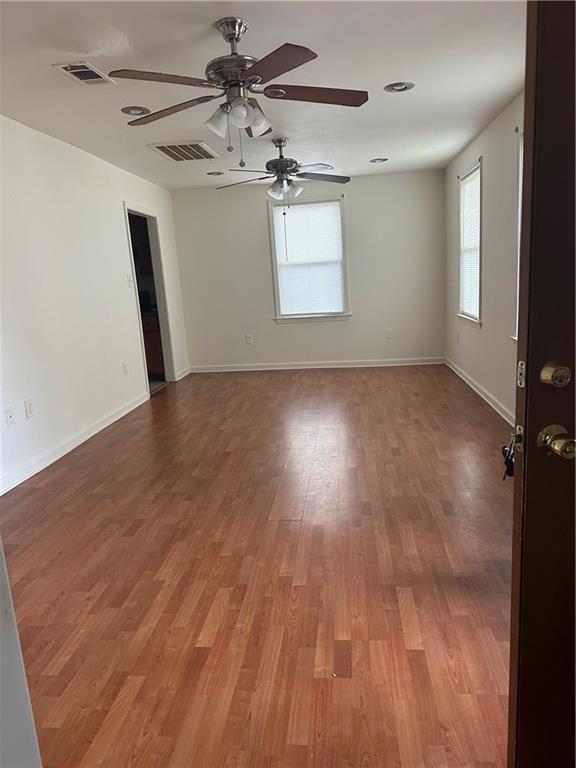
pixel 312 318
pixel 468 319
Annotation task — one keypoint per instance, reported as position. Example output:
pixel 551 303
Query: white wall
pixel 69 315
pixel 394 226
pixel 486 355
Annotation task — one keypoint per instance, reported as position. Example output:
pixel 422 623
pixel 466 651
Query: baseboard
pixel 181 373
pixel 498 406
pixel 25 471
pixel 317 364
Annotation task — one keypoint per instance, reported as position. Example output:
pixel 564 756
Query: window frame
pixel 316 316
pixel 477 165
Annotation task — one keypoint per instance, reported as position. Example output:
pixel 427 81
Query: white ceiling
pixel 466 58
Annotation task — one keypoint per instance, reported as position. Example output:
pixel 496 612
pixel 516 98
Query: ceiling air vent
pixel 84 72
pixel 185 150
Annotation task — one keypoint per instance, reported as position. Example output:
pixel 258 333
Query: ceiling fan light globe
pixel 295 188
pixel 218 122
pixel 276 190
pixel 242 115
pixel 261 123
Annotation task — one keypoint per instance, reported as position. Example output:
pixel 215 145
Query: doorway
pixel 147 300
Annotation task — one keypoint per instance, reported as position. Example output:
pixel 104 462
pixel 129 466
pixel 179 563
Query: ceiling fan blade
pixel 249 131
pixel 160 77
pixel 283 59
pixel 324 177
pixel 172 110
pixel 244 170
pixel 342 96
pixel 316 167
pixel 236 184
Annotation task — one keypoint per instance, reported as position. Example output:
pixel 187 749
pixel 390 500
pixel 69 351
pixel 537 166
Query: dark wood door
pixel 542 657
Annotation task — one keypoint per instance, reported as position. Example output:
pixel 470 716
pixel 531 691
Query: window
pixel 470 241
pixel 308 259
pixel 518 245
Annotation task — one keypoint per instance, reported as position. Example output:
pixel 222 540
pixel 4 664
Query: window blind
pixel 470 231
pixel 308 247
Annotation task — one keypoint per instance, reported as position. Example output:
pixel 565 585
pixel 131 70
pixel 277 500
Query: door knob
pixel 555 438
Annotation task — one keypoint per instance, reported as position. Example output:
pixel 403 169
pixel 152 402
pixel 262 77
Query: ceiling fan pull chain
pixel 242 162
pixel 285 232
pixel 229 148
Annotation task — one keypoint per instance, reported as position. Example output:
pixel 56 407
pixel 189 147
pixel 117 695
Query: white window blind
pixel 309 258
pixel 470 237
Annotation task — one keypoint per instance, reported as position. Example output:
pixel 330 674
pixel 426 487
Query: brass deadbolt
pixel 555 438
pixel 556 375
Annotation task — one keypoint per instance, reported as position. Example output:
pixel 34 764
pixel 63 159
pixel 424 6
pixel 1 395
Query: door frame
pixel 159 286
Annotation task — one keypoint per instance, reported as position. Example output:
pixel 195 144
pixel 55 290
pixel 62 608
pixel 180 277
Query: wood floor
pixel 275 569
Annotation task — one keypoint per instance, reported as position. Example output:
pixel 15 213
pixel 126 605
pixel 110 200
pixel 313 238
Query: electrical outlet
pixel 249 338
pixel 125 369
pixel 389 333
pixel 28 408
pixel 130 280
pixel 10 416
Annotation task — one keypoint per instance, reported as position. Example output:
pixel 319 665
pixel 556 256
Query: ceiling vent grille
pixel 185 150
pixel 84 72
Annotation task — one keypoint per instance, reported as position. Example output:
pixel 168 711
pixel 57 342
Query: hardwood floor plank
pixel 277 569
pixel 107 736
pixel 409 616
pixel 301 708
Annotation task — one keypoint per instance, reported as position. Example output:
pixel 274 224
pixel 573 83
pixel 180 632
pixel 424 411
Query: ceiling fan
pixel 283 168
pixel 235 75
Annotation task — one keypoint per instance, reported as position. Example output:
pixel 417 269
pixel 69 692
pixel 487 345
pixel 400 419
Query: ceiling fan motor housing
pixel 282 166
pixel 229 70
